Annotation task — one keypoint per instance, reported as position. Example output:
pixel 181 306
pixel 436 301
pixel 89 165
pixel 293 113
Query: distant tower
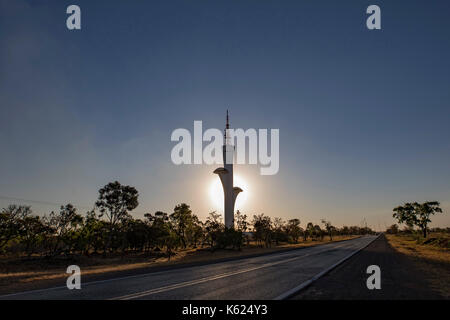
pixel 226 177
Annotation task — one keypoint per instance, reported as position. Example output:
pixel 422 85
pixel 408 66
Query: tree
pixel 425 210
pixel 345 231
pixel 242 225
pixel 417 214
pixel 182 219
pixel 64 225
pixel 405 214
pixel 262 229
pixel 293 229
pixel 213 228
pixel 241 221
pixel 318 232
pixel 136 235
pixel 114 201
pixel 194 231
pixel 171 242
pixel 11 225
pixel 160 229
pixel 329 227
pixel 230 237
pixel 279 233
pixel 309 230
pixel 92 235
pixel 33 231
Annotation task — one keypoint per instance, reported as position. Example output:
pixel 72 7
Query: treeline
pixel 110 229
pixel 395 229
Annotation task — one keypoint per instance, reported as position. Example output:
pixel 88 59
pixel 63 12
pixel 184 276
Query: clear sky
pixel 363 115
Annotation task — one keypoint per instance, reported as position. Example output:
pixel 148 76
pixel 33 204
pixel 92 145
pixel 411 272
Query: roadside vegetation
pixel 110 231
pixel 417 214
pixel 431 254
pixel 428 247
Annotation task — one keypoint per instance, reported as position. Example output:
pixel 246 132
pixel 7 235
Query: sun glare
pixel 216 193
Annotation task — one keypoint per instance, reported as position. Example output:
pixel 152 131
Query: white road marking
pixel 216 277
pixel 289 252
pixel 305 284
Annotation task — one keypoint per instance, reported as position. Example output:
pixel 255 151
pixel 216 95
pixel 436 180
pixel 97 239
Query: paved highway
pixel 264 277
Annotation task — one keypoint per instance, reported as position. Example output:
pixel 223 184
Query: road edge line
pixel 308 282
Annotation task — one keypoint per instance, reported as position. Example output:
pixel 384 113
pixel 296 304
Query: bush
pixel 230 238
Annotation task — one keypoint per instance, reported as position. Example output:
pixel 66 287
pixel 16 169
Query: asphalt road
pixel 264 277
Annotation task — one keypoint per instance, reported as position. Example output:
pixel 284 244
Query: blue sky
pixel 363 115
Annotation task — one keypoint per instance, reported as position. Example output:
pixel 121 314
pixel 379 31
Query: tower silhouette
pixel 226 177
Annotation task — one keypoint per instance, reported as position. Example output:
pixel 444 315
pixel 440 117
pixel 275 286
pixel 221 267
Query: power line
pixel 48 203
pixel 40 202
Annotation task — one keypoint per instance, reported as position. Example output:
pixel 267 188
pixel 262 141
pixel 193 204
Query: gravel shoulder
pixel 401 278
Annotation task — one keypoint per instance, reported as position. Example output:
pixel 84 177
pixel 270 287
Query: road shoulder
pixel 400 278
pixel 432 260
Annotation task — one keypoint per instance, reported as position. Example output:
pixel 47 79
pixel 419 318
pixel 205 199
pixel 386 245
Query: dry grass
pixel 15 272
pixel 432 259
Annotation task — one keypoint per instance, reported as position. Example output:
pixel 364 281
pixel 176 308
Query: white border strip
pixel 305 284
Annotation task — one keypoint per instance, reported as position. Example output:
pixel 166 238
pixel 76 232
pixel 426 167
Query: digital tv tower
pixel 226 177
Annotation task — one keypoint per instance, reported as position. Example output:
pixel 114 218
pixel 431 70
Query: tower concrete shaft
pixel 226 177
